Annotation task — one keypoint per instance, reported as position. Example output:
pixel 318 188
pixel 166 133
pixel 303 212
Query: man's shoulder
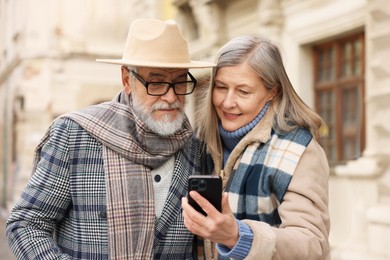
pixel 69 119
pixel 65 122
pixel 66 128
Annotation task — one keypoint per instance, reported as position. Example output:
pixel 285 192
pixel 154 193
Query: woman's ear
pixel 126 80
pixel 273 93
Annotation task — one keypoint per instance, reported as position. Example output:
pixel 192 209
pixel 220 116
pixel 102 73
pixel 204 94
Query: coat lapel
pixel 177 190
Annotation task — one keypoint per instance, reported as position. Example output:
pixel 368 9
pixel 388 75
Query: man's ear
pixel 126 80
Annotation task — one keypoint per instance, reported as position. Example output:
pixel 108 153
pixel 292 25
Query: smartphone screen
pixel 209 186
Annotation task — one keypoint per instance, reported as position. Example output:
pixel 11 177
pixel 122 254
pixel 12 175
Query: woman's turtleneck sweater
pixel 231 138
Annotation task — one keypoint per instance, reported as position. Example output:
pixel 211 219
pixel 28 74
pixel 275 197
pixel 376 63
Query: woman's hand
pixel 219 227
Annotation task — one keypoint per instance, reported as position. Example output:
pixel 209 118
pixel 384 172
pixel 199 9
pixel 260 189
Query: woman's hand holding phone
pixel 220 227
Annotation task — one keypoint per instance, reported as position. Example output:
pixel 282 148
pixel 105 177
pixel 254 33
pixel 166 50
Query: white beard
pixel 165 126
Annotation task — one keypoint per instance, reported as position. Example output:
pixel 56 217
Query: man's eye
pixel 157 84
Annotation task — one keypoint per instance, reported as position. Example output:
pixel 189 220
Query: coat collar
pixel 261 133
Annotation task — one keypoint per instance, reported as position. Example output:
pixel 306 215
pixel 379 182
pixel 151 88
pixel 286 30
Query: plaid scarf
pixel 130 151
pixel 263 163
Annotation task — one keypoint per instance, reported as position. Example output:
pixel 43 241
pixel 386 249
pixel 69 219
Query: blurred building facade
pixel 47 67
pixel 336 53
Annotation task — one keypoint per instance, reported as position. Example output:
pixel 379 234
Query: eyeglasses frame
pixel 171 84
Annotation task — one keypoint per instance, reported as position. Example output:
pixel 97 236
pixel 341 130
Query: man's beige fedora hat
pixel 155 43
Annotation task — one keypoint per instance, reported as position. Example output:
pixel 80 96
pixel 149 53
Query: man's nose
pixel 170 96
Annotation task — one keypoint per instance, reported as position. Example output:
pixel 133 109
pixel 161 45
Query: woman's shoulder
pixel 298 135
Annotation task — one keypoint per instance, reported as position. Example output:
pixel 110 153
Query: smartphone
pixel 209 186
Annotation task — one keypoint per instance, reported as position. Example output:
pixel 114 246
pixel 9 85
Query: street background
pixel 336 53
pixel 5 252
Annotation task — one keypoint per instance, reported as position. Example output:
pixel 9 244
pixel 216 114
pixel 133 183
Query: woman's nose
pixel 230 100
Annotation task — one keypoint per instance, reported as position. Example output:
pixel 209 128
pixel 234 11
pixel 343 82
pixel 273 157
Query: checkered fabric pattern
pixel 71 209
pixel 262 173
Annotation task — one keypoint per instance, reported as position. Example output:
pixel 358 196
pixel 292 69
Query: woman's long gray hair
pixel 265 59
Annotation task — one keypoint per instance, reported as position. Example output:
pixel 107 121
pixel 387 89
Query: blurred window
pixel 339 96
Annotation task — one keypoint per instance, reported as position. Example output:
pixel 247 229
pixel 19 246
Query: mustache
pixel 164 105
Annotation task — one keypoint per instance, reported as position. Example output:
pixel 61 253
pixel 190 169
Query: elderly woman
pixel 262 140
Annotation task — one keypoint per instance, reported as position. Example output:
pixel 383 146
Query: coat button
pixel 157 178
pixel 103 214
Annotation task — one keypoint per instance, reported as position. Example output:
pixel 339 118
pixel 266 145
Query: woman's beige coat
pixel 305 226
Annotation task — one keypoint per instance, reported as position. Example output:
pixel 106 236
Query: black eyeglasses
pixel 161 88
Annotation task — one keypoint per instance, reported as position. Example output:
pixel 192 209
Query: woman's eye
pixel 243 92
pixel 220 87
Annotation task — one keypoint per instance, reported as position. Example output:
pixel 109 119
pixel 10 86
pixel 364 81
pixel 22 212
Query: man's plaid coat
pixel 62 211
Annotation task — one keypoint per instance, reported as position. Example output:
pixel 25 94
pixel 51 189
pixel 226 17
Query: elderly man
pixel 108 179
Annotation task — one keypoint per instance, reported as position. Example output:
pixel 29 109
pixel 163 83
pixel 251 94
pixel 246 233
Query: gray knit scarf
pixel 130 151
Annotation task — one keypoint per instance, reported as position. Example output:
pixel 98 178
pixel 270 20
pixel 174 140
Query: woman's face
pixel 238 96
